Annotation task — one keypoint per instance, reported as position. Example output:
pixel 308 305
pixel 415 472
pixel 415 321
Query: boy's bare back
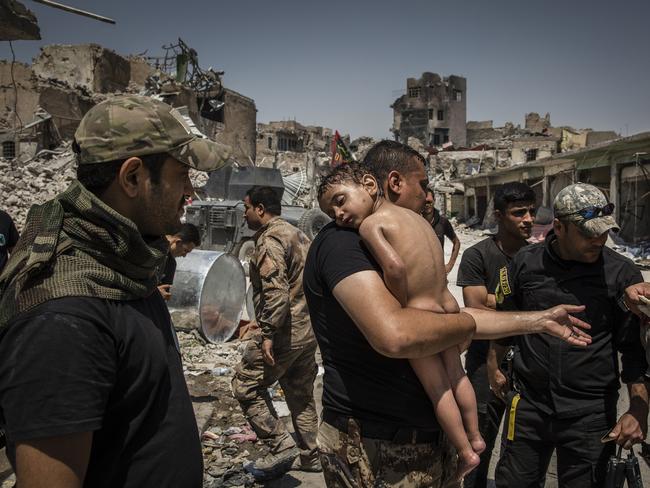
pixel 413 239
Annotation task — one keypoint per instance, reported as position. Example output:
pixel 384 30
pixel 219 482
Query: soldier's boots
pixel 309 463
pixel 273 465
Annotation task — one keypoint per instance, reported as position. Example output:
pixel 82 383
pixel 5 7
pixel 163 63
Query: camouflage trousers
pixel 352 461
pixel 295 370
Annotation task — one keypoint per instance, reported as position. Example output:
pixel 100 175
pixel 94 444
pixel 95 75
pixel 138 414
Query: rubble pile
pixel 35 181
pixel 227 439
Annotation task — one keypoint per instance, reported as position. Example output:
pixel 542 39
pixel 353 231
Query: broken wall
pixel 239 127
pixel 87 66
pixel 537 124
pixel 23 96
pixel 531 148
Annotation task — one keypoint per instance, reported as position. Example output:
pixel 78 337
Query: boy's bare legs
pixel 464 395
pixel 431 373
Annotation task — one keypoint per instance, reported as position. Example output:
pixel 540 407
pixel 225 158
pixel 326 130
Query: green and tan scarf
pixel 76 245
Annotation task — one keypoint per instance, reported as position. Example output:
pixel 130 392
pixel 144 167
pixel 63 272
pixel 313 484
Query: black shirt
pixel 442 227
pixel 86 364
pixel 480 266
pixel 8 237
pixel 358 382
pixel 556 377
pixel 169 271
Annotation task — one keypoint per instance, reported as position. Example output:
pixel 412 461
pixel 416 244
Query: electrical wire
pixel 15 86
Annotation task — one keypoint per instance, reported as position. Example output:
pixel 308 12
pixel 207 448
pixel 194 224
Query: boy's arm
pixel 391 263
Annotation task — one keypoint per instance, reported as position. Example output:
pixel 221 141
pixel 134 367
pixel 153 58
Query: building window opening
pixel 269 142
pixel 430 114
pixel 414 92
pixel 531 155
pixel 212 108
pixel 9 149
pixel 436 139
pixel 458 95
pixel 441 115
pixel 287 144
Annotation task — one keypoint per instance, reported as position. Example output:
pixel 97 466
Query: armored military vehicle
pixel 220 217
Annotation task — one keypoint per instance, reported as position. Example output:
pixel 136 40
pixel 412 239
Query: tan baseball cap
pixel 125 126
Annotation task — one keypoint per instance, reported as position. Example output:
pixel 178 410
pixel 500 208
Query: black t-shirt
pixel 8 237
pixel 169 271
pixel 442 227
pixel 480 266
pixel 358 381
pixel 556 377
pixel 86 364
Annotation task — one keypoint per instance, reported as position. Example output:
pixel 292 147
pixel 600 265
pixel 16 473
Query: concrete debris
pixel 228 441
pixel 17 22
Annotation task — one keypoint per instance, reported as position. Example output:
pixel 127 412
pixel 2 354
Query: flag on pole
pixel 340 152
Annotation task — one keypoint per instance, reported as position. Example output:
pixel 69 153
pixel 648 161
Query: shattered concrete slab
pixel 17 22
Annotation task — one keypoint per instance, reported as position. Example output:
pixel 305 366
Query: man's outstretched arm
pixel 556 321
pixel 411 333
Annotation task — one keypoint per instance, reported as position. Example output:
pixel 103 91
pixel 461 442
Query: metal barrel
pixel 208 293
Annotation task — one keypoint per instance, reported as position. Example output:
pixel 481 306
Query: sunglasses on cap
pixel 592 212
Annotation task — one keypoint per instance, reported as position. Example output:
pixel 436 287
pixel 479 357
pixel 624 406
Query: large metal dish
pixel 208 293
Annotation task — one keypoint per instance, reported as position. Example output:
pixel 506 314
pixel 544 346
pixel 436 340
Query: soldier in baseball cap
pixel 587 207
pixel 79 293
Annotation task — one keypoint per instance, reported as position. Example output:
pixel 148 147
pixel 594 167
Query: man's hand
pixel 558 322
pixel 633 300
pixel 267 352
pixel 448 267
pixel 165 291
pixel 498 383
pixel 630 429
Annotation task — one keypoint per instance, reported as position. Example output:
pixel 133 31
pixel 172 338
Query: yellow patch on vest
pixel 511 417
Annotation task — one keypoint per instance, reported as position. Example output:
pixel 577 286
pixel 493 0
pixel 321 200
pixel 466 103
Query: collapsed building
pixel 42 104
pixel 432 109
pixel 290 146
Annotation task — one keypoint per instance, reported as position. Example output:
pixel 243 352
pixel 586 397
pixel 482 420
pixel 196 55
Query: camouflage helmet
pixel 125 126
pixel 573 199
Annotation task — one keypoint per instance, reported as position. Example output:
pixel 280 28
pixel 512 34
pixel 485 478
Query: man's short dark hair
pixel 189 233
pixel 267 196
pixel 346 172
pixel 511 193
pixel 387 156
pixel 97 177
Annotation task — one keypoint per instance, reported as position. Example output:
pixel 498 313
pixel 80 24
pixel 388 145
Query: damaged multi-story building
pixel 432 109
pixel 42 104
pixel 291 146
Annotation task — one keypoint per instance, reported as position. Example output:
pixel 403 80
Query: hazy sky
pixel 338 64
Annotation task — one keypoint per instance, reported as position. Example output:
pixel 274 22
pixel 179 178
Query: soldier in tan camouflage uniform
pixel 285 348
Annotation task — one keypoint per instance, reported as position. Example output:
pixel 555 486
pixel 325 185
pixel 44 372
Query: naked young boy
pixel 410 256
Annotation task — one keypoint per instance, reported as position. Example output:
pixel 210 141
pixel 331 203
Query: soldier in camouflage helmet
pixel 92 390
pixel 567 398
pixel 285 348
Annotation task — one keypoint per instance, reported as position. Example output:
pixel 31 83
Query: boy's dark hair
pixel 346 172
pixel 387 156
pixel 512 192
pixel 97 177
pixel 267 196
pixel 189 233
